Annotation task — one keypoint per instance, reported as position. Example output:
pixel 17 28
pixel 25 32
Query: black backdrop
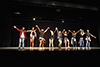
pixel 10 36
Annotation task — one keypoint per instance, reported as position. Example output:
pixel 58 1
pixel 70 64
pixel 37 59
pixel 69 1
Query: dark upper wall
pixel 74 19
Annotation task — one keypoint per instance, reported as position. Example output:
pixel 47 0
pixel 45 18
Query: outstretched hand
pixel 48 28
pixel 36 25
pixel 69 30
pixel 56 28
pixel 14 26
pixel 63 29
pixel 95 37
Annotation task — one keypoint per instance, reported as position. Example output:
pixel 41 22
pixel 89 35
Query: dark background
pixel 47 15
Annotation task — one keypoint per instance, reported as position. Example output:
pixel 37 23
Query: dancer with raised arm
pixel 51 39
pixel 88 39
pixel 22 36
pixel 33 35
pixel 59 37
pixel 66 39
pixel 73 39
pixel 81 40
pixel 41 37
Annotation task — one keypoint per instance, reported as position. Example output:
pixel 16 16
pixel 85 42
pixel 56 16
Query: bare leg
pixel 52 45
pixel 68 42
pixel 60 43
pixel 65 43
pixel 32 42
pixel 40 43
pixel 43 45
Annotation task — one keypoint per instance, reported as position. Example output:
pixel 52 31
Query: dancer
pixel 73 39
pixel 59 37
pixel 88 39
pixel 51 39
pixel 41 37
pixel 66 38
pixel 33 35
pixel 81 40
pixel 22 36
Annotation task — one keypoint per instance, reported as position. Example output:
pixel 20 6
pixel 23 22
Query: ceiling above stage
pixel 56 10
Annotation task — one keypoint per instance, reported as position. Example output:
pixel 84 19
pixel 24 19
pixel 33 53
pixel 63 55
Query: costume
pixel 81 40
pixel 33 34
pixel 73 40
pixel 41 37
pixel 22 37
pixel 51 38
pixel 88 39
pixel 59 37
pixel 65 37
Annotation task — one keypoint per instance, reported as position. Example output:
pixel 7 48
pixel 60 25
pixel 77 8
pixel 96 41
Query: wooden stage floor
pixel 47 48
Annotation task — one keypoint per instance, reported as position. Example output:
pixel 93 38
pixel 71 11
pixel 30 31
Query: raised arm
pixel 29 30
pixel 35 34
pixel 16 28
pixel 70 31
pixel 38 28
pixel 54 31
pixel 63 31
pixel 78 31
pixel 57 30
pixel 51 31
pixel 46 30
pixel 93 36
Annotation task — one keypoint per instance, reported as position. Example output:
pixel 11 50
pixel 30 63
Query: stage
pixel 47 49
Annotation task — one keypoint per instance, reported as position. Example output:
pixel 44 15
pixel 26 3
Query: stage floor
pixel 47 48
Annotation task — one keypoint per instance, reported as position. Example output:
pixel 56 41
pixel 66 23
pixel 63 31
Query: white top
pixel 22 36
pixel 82 33
pixel 65 34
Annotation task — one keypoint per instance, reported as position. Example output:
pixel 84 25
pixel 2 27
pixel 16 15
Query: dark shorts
pixel 51 38
pixel 65 38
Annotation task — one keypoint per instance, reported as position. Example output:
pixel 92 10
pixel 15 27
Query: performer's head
pixel 87 31
pixel 65 32
pixel 23 28
pixel 82 30
pixel 73 31
pixel 60 32
pixel 42 30
pixel 32 28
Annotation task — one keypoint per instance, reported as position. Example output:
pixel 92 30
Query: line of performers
pixel 42 40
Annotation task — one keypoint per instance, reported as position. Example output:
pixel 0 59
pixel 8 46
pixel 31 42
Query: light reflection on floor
pixel 47 48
